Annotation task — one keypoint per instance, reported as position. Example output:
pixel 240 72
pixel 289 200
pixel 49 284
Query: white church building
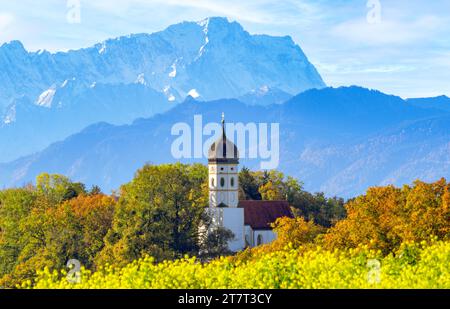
pixel 249 220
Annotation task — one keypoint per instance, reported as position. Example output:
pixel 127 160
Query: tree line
pixel 160 213
pixel 387 220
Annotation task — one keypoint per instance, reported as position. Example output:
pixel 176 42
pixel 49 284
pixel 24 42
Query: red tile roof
pixel 260 214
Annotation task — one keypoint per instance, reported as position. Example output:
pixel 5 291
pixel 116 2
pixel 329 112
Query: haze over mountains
pixel 98 114
pixel 339 141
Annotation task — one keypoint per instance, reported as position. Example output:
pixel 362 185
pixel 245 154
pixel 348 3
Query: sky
pixel 400 47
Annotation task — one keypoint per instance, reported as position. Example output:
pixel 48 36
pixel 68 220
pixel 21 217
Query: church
pixel 249 220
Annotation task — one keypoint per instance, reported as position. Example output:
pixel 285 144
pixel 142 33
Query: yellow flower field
pixel 413 266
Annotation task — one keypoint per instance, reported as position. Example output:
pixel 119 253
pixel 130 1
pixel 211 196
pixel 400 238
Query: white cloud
pixel 411 40
pixel 259 12
pixel 6 21
pixel 363 68
pixel 114 7
pixel 396 32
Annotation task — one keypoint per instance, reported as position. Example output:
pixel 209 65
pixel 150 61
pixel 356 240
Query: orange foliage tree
pixel 291 233
pixel 385 217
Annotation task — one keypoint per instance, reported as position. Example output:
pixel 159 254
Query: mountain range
pixel 98 114
pixel 46 96
pixel 336 140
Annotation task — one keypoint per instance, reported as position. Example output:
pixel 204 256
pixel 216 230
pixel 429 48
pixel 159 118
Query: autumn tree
pixel 46 225
pixel 292 233
pixel 385 217
pixel 274 185
pixel 57 188
pixel 295 232
pixel 158 213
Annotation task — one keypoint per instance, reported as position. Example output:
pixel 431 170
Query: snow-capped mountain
pixel 265 96
pixel 67 108
pixel 213 58
pixel 210 59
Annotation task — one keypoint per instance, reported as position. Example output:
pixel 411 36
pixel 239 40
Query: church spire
pixel 223 125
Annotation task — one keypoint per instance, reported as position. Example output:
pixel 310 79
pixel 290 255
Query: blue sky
pixel 404 50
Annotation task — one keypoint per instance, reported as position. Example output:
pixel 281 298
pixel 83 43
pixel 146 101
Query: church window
pixel 232 181
pixel 259 240
pixel 212 182
pixel 222 182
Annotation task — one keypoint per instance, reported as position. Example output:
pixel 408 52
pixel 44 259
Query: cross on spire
pixel 223 126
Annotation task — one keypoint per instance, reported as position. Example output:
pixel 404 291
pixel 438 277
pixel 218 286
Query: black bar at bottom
pixel 214 298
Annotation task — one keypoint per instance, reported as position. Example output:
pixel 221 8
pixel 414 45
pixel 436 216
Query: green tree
pixel 158 213
pixel 57 188
pixel 215 243
pixel 40 227
pixel 249 185
pixel 15 205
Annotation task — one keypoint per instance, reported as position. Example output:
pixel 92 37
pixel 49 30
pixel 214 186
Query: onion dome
pixel 223 150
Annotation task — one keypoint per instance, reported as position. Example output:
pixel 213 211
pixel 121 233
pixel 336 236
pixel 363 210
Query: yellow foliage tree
pixel 385 217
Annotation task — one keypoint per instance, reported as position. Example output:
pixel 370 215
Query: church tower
pixel 223 160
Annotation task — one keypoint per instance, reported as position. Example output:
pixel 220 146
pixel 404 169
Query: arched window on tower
pixel 232 181
pixel 212 182
pixel 222 182
pixel 259 240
